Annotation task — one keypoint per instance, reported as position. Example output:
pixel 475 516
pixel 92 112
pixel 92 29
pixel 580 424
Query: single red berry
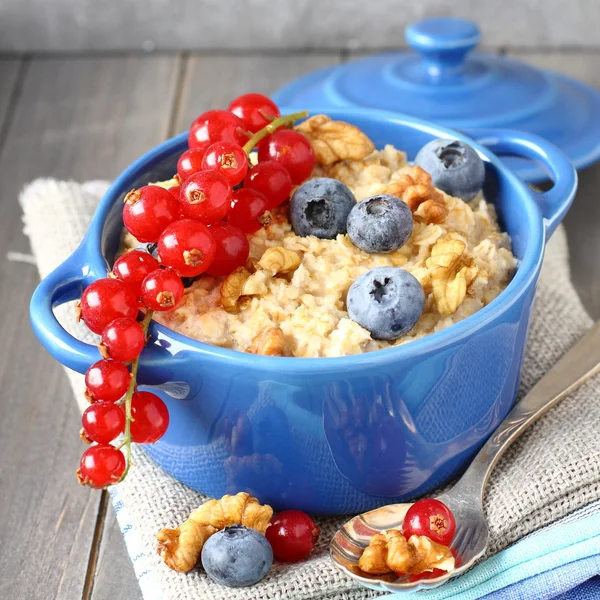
pixel 104 301
pixel 190 162
pixel 122 340
pixel 150 418
pixel 292 535
pixel 216 126
pixel 174 191
pixel 101 465
pixel 162 290
pixel 232 249
pixel 292 150
pixel 132 268
pixel 254 110
pixel 187 247
pixel 248 210
pixel 102 422
pixel 228 159
pixel 148 210
pixel 271 179
pixel 107 380
pixel 205 196
pixel 431 518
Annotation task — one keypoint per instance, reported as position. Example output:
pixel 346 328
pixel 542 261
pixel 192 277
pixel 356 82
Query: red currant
pixel 431 518
pixel 271 179
pixel 101 465
pixel 150 418
pixel 122 340
pixel 255 111
pixel 292 535
pixel 190 162
pixel 131 268
pixel 174 190
pixel 292 150
pixel 216 126
pixel 205 196
pixel 248 210
pixel 187 246
pixel 162 290
pixel 228 159
pixel 104 301
pixel 232 249
pixel 107 380
pixel 102 422
pixel 148 210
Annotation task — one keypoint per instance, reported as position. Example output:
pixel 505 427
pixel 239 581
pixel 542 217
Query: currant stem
pixel 128 398
pixel 271 128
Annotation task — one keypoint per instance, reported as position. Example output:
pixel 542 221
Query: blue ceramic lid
pixel 443 81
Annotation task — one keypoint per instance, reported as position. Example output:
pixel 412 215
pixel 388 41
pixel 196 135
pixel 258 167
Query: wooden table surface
pixel 88 117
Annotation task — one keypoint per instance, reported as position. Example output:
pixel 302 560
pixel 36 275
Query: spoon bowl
pixel 468 545
pixel 465 499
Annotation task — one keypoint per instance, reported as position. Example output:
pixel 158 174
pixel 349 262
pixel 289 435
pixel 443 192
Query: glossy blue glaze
pixel 442 82
pixel 332 435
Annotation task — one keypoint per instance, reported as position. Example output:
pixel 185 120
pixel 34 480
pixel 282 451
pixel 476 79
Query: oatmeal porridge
pixel 290 298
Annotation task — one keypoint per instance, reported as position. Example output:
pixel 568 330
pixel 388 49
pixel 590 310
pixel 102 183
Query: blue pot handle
pixel 554 203
pixel 65 283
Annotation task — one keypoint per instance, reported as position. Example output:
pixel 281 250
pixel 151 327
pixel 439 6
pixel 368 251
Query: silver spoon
pixel 465 499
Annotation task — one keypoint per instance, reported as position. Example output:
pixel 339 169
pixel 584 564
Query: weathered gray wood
pixel 583 220
pixel 80 119
pixel 213 81
pixel 60 25
pixel 9 71
pixel 115 578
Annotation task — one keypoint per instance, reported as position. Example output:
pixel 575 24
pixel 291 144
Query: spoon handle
pixel 580 363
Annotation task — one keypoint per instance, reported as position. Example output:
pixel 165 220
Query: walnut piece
pixel 181 547
pixel 451 273
pixel 416 189
pixel 270 342
pixel 392 552
pixel 279 260
pixel 333 141
pixel 431 211
pixel 231 288
pixel 256 284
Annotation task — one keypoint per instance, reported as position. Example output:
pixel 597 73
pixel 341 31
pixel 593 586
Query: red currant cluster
pixel 110 307
pixel 198 226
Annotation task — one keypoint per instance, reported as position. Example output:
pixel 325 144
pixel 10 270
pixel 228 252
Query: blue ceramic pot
pixel 332 435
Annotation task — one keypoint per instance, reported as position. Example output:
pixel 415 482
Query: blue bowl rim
pixel 526 272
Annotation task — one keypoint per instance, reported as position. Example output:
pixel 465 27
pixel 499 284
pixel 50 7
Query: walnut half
pixel 333 141
pixel 416 189
pixel 392 552
pixel 451 273
pixel 181 547
pixel 279 260
pixel 270 342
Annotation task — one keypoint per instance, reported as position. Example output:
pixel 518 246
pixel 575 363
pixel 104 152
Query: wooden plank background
pixel 84 118
pixel 65 25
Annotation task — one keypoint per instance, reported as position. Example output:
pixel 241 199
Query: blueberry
pixel 386 301
pixel 454 166
pixel 382 223
pixel 320 207
pixel 237 556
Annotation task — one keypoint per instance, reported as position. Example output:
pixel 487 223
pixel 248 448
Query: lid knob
pixel 443 43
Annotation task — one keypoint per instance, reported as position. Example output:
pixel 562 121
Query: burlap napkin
pixel 551 471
